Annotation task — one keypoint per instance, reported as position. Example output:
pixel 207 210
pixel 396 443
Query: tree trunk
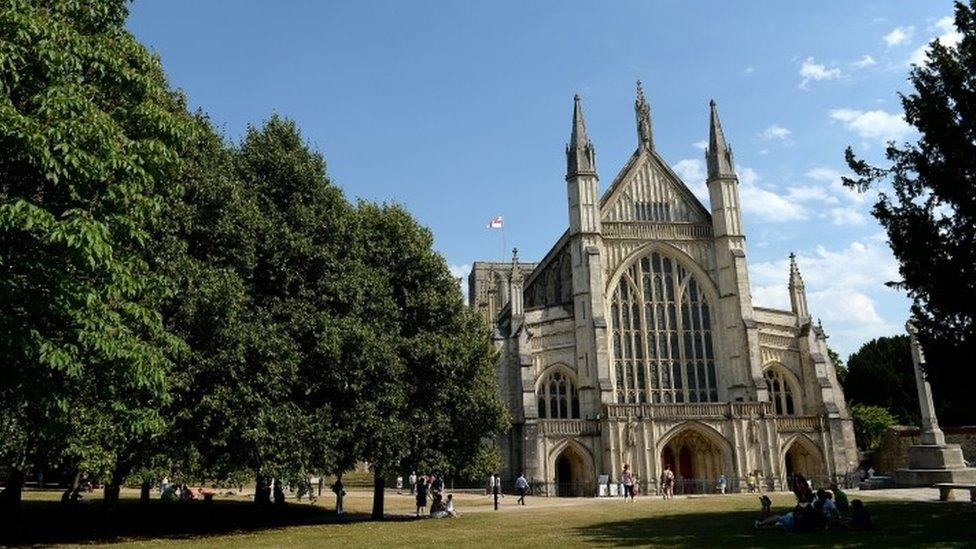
pixel 378 493
pixel 262 491
pixel 144 492
pixel 10 507
pixel 110 504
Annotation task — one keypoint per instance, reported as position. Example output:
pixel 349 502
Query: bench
pixel 946 488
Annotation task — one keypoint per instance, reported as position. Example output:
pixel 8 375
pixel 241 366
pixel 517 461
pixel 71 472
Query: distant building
pixel 635 339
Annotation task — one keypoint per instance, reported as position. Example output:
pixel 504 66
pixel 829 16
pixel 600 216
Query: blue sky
pixel 460 111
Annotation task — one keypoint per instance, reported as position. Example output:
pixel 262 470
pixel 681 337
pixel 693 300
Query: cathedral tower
pixel 737 315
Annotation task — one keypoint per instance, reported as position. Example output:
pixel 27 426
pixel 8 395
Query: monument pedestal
pixel 930 464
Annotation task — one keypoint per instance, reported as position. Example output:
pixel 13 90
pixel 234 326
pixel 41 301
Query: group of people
pixel 431 487
pixel 493 487
pixel 818 510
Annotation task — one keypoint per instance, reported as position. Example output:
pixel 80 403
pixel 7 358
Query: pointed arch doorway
pixel 573 472
pixel 697 458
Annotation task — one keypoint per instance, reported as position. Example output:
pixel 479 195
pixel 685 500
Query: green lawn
pixel 700 522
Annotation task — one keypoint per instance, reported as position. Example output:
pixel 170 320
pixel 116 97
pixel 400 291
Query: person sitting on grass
pixel 860 518
pixel 786 521
pixel 828 509
pixel 767 505
pixel 840 499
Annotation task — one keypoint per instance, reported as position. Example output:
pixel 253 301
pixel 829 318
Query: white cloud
pixel 810 193
pixel 692 172
pixel 864 62
pixel 948 36
pixel 841 287
pixel 750 70
pixel 875 125
pixel 777 132
pixel 847 216
pixel 812 71
pixel 700 144
pixel 898 35
pixel 835 184
pixel 765 203
pixel 461 272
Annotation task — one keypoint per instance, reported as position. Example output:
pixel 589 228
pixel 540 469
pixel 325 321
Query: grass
pixel 698 522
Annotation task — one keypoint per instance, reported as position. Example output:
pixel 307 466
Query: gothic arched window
pixel 661 335
pixel 558 397
pixel 780 392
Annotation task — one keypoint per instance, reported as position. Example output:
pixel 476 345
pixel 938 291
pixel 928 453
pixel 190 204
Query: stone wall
pixel 892 453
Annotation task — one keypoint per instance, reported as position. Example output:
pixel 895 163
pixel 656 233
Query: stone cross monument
pixel 933 461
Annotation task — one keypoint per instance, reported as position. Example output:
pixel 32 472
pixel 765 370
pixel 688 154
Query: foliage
pixel 838 363
pixel 870 423
pixel 930 213
pixel 91 139
pixel 881 373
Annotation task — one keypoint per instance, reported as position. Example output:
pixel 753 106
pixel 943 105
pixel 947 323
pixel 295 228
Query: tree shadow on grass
pixel 897 524
pixel 49 522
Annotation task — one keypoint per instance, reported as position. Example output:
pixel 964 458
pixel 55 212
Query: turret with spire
pixel 515 282
pixel 723 183
pixel 581 177
pixel 643 113
pixel 580 155
pixel 798 295
pixel 730 255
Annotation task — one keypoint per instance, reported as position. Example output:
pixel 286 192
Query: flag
pixel 495 223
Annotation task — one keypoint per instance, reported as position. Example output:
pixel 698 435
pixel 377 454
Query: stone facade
pixel 635 339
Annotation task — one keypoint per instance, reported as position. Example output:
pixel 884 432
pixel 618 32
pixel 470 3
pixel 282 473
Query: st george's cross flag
pixel 495 223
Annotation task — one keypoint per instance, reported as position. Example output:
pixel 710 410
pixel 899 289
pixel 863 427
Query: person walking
pixel 399 484
pixel 667 482
pixel 627 479
pixel 723 483
pixel 522 486
pixel 413 482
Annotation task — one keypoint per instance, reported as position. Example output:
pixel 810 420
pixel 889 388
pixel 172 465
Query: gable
pixel 648 190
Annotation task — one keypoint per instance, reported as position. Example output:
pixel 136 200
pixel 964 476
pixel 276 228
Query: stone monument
pixel 933 461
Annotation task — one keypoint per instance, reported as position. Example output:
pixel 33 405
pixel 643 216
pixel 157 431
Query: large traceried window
pixel 661 335
pixel 780 392
pixel 558 397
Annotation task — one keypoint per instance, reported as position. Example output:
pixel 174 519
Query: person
pixel 489 484
pixel 667 482
pixel 827 507
pixel 451 513
pixel 767 505
pixel 840 499
pixel 751 482
pixel 760 481
pixel 801 489
pixel 722 483
pixel 279 494
pixel 860 518
pixel 399 484
pixel 870 473
pixel 627 479
pixel 413 482
pixel 521 486
pixel 496 488
pixel 321 482
pixel 339 490
pixel 421 496
pixel 786 521
pixel 437 505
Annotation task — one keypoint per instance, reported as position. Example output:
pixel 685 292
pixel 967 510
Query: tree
pixel 91 138
pixel 930 213
pixel 881 373
pixel 870 423
pixel 838 363
pixel 443 381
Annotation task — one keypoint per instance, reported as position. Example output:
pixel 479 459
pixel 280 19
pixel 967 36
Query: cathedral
pixel 635 340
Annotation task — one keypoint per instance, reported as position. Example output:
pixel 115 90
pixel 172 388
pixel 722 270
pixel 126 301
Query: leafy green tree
pixel 91 139
pixel 870 423
pixel 881 374
pixel 930 213
pixel 443 404
pixel 838 364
